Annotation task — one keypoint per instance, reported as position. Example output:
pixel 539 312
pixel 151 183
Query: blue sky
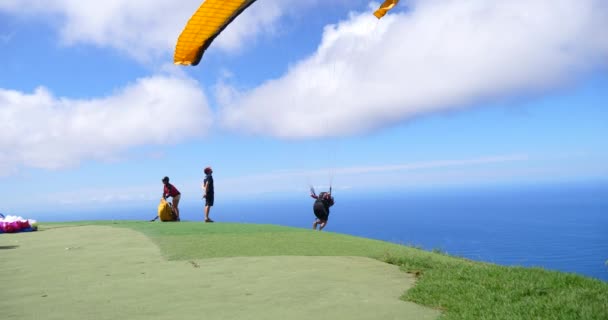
pixel 438 93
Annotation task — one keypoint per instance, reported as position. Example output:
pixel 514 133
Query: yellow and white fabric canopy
pixel 205 24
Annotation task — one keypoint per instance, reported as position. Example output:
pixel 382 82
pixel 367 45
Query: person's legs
pixel 175 203
pixel 207 208
pixel 322 225
pixel 208 205
pixel 320 214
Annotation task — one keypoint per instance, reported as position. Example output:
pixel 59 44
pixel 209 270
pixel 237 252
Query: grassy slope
pixel 463 289
pixel 100 272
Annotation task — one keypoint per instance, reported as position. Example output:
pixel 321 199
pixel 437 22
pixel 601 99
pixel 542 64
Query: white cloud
pixel 145 29
pixel 438 164
pixel 104 196
pixel 439 55
pixel 491 170
pixel 437 172
pixel 43 131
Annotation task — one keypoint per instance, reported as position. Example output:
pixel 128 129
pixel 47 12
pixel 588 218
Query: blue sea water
pixel 561 227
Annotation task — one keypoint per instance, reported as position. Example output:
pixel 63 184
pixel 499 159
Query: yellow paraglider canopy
pixel 165 213
pixel 205 24
pixel 385 7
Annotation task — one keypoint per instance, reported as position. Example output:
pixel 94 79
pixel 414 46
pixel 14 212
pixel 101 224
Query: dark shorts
pixel 320 211
pixel 209 200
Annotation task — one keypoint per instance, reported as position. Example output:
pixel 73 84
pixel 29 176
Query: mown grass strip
pixel 461 288
pixel 99 272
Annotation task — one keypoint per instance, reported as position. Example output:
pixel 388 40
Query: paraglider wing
pixel 385 7
pixel 211 18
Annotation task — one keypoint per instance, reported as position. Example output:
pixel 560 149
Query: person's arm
pixel 313 194
pixel 205 184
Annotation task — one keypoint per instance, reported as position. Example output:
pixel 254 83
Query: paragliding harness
pixel 324 197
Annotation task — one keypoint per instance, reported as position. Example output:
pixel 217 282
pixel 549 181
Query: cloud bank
pixel 43 131
pixel 438 55
pixel 418 174
pixel 145 29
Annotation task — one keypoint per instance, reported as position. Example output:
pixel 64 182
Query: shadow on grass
pixel 8 247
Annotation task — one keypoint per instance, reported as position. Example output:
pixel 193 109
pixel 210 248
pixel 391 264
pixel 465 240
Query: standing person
pixel 170 190
pixel 208 193
pixel 321 208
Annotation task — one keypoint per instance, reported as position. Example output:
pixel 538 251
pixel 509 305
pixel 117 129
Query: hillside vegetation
pixel 459 288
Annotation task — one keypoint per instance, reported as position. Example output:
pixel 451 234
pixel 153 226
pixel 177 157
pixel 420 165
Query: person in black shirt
pixel 321 208
pixel 208 193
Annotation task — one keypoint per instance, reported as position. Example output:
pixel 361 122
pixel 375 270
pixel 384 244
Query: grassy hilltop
pixel 188 270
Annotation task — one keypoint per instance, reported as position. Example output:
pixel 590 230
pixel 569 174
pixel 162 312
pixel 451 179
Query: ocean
pixel 559 227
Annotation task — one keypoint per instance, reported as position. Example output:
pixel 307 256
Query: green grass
pixel 460 288
pixel 190 240
pixel 101 272
pixel 473 290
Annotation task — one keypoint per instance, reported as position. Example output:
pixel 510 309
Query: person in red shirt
pixel 171 191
